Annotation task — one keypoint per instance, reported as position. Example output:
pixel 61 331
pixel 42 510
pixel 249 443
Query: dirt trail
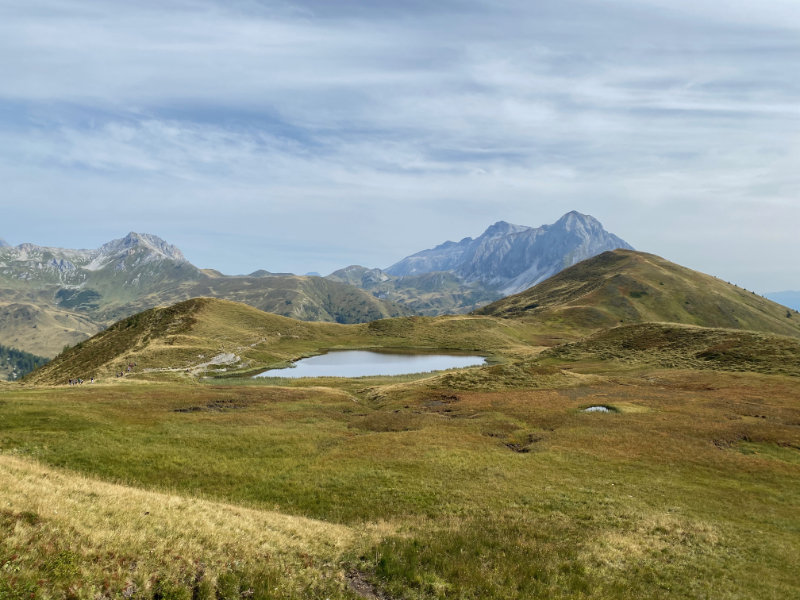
pixel 357 582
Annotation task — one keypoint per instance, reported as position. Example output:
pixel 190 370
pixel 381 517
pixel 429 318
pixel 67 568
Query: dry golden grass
pixel 134 537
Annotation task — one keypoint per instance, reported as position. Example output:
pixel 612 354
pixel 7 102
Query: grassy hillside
pixel 683 346
pixel 42 329
pixel 407 491
pixel 491 482
pixel 624 286
pixel 44 307
pixel 206 336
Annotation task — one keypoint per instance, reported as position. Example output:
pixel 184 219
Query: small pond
pixel 363 363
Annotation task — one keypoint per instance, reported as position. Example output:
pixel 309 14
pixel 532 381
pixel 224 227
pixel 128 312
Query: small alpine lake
pixel 365 363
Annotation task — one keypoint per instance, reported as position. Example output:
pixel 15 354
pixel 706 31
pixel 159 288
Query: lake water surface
pixel 361 363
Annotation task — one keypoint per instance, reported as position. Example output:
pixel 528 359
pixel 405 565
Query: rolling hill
pixel 625 287
pixel 208 336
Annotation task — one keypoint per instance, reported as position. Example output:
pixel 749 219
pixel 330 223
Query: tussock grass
pixel 65 535
pixel 688 491
pixel 669 345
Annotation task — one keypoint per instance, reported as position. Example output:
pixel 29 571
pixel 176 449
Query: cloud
pixel 312 134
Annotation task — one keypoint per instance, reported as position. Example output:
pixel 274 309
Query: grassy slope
pixel 175 339
pixel 488 482
pixel 688 491
pixel 624 286
pixel 34 317
pixel 65 532
pixel 684 346
pixel 42 329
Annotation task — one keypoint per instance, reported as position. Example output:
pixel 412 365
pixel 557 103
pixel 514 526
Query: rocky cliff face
pixel 510 258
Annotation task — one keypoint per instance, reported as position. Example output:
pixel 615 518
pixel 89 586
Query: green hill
pixel 666 345
pixel 625 287
pixel 433 293
pixel 206 336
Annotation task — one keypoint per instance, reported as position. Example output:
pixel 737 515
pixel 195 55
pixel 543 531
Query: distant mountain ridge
pixel 50 297
pixel 458 277
pixel 510 258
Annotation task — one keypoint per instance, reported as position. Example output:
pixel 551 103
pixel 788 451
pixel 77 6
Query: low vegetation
pixel 186 479
pixel 623 287
pixel 436 487
pixel 211 337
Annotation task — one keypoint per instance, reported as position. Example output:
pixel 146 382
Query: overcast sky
pixel 310 135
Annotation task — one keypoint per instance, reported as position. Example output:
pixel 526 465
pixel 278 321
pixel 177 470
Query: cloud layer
pixel 298 136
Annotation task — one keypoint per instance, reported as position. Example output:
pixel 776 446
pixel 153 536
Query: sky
pixel 298 136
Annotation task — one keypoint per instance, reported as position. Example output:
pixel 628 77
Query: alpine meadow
pixel 176 474
pixel 461 300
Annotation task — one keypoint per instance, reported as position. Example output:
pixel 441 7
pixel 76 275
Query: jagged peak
pixel 146 240
pixel 502 228
pixel 573 219
pixel 450 244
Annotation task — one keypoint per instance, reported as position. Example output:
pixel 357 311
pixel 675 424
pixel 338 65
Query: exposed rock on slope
pixel 457 277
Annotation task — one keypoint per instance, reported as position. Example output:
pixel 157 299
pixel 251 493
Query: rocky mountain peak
pixel 503 228
pixel 4 244
pixel 575 221
pixel 509 258
pixel 147 241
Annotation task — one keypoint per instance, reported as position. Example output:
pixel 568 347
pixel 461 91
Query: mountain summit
pixel 146 241
pixel 510 258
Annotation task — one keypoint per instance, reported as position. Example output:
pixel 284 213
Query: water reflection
pixel 362 363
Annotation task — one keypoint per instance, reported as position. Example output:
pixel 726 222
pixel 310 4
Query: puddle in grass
pixel 601 409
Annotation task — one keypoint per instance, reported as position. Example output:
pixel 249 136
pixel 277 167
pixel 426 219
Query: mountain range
pixel 456 277
pixel 657 305
pixel 511 258
pixel 52 297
